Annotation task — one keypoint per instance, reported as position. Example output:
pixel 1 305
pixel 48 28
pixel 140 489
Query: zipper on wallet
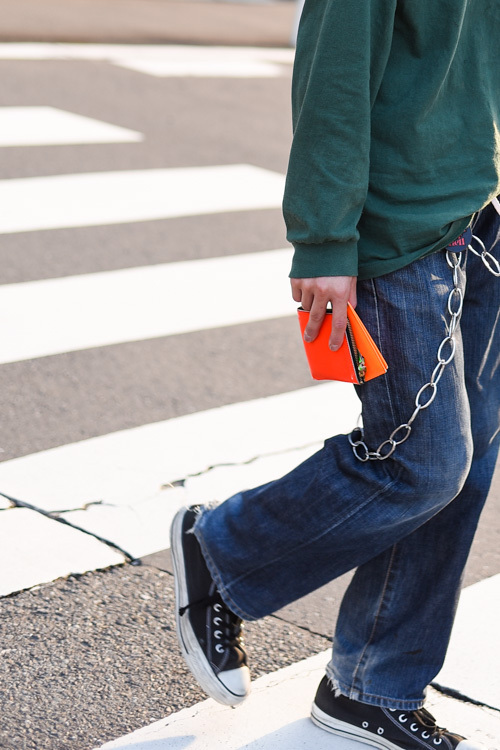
pixel 357 357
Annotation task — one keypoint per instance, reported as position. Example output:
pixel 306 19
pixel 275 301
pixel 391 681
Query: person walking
pixel 390 203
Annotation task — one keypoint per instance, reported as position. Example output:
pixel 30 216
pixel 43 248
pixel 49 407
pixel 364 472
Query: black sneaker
pixel 386 728
pixel 209 633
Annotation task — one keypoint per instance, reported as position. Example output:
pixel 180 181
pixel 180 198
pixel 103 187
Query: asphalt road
pixel 87 658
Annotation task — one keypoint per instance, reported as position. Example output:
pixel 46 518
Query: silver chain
pixel 428 392
pixel 488 259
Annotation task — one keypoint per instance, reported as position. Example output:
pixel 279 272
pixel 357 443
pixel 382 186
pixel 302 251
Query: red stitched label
pixel 462 242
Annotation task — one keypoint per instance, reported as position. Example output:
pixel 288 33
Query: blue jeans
pixel 406 523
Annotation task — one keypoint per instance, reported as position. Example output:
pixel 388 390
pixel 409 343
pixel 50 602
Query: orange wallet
pixel 357 360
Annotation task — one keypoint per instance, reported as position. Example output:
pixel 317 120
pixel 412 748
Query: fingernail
pixel 334 347
pixel 307 338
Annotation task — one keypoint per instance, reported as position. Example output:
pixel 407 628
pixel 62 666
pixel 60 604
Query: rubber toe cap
pixel 237 682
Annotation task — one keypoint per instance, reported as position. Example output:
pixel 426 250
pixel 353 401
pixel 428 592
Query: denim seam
pixel 379 335
pixel 386 465
pixel 377 617
pixel 242 577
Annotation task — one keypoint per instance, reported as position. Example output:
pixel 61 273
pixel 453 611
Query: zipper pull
pixel 361 368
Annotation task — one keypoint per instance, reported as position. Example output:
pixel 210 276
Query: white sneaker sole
pixel 191 649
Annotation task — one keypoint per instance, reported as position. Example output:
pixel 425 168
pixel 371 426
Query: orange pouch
pixel 357 360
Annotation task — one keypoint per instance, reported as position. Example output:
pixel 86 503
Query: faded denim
pixel 406 523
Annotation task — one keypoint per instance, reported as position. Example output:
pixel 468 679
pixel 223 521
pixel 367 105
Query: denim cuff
pixel 342 688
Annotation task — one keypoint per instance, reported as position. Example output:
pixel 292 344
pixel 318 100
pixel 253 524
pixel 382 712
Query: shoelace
pixel 427 722
pixel 230 626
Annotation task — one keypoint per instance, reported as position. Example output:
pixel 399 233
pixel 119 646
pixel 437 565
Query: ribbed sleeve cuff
pixel 327 259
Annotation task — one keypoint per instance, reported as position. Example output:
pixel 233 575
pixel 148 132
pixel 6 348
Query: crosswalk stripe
pixel 165 60
pixel 79 312
pixel 87 51
pixel 217 68
pixel 225 62
pixel 167 55
pixel 469 657
pixel 43 126
pixel 118 486
pixel 98 198
pixel 274 717
pixel 127 466
pixel 37 550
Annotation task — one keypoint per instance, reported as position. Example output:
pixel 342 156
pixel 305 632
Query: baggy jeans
pixel 406 523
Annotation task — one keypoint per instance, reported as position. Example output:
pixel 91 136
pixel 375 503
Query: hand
pixel 314 295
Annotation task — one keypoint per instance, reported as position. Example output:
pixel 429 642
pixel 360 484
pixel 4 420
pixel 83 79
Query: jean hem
pixel 383 701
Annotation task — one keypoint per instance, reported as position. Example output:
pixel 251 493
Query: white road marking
pixel 37 550
pixel 220 62
pixel 128 473
pixel 469 665
pixel 125 467
pixel 65 51
pixel 165 60
pixel 214 68
pixel 142 528
pixel 276 714
pixel 41 318
pixel 47 126
pixel 31 51
pixel 98 198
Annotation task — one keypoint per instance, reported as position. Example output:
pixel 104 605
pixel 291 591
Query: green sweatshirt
pixel 396 115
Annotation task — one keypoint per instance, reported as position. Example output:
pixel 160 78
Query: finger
pixel 296 290
pixel 353 299
pixel 307 300
pixel 339 324
pixel 301 293
pixel 316 316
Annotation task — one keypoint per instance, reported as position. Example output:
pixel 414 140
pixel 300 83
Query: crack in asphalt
pixel 85 506
pixel 457 695
pixel 54 517
pixel 302 627
pixel 228 464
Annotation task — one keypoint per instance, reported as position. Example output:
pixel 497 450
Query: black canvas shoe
pixel 209 633
pixel 386 728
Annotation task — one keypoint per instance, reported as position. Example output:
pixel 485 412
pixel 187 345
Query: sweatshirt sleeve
pixel 342 51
